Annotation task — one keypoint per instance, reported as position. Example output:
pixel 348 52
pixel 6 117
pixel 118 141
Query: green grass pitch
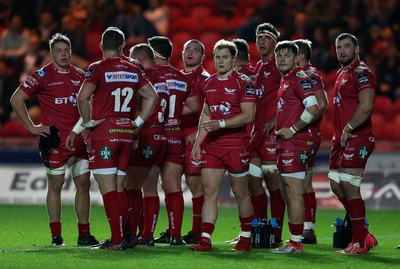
pixel 25 243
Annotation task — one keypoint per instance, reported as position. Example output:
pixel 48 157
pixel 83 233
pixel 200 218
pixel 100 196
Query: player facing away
pixel 107 103
pixel 182 100
pixel 296 109
pixel 56 86
pixel 147 158
pixel 353 139
pixel 223 144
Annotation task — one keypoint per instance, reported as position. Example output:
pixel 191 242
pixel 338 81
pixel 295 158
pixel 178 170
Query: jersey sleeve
pixel 33 83
pixel 364 78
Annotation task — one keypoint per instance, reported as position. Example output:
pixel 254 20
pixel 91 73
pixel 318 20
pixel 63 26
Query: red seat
pixel 201 13
pixel 215 24
pixel 93 51
pixel 385 106
pixel 209 39
pixel 186 24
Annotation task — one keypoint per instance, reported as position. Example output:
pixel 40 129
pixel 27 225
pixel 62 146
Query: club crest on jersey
pixel 305 85
pixel 287 162
pixel 121 76
pixel 148 152
pixel 229 91
pixel 105 153
pixel 363 153
pixel 363 79
pixel 303 157
pixel 76 82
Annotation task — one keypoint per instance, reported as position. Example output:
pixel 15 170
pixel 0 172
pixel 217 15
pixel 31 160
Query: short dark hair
pixel 112 39
pixel 162 45
pixel 144 50
pixel 266 26
pixel 58 37
pixel 242 49
pixel 304 47
pixel 289 45
pixel 342 36
pixel 225 44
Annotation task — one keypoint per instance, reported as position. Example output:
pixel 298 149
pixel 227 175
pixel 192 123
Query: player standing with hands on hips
pixel 56 86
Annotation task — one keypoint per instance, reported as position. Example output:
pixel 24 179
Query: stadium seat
pixel 201 13
pixel 93 50
pixel 397 105
pixel 385 106
pixel 185 24
pixel 178 39
pixel 209 39
pixel 215 24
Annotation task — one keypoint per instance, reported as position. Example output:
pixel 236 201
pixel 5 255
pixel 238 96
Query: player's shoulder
pixel 362 68
pixel 77 69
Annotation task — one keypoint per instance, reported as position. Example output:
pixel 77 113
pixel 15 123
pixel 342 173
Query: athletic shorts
pixel 263 147
pixel 290 160
pixel 151 148
pixel 191 166
pixel 61 154
pixel 175 146
pixel 234 160
pixel 354 155
pixel 110 153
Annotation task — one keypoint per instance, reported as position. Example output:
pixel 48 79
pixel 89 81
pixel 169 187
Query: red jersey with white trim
pixel 157 78
pixel 190 121
pixel 295 87
pixel 349 82
pixel 266 86
pixel 56 93
pixel 318 85
pixel 117 82
pixel 223 97
pixel 180 88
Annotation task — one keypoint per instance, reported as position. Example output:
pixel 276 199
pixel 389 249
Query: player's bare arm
pixel 149 99
pixel 201 133
pixel 191 105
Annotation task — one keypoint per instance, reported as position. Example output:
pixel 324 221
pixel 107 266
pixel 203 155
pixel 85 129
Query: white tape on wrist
pixel 291 128
pixel 306 116
pixel 222 124
pixel 88 124
pixel 78 128
pixel 139 121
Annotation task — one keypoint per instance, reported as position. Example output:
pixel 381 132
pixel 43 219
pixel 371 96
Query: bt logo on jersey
pixel 65 100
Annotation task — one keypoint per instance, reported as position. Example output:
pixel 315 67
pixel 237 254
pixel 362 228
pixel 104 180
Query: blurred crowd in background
pixel 26 27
